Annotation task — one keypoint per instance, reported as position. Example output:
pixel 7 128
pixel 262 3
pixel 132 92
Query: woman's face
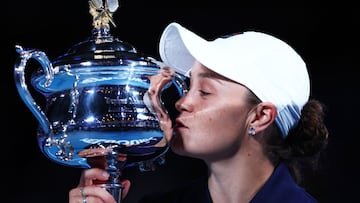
pixel 212 119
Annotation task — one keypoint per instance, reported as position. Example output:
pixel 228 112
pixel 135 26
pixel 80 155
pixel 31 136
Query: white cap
pixel 269 67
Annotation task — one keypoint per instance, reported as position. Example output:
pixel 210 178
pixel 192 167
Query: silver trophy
pixel 101 104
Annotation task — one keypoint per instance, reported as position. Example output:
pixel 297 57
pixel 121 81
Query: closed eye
pixel 203 93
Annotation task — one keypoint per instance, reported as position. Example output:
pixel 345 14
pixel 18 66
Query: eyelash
pixel 203 93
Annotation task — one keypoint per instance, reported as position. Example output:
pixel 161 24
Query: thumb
pixel 126 186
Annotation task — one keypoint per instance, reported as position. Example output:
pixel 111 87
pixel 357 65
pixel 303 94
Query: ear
pixel 265 114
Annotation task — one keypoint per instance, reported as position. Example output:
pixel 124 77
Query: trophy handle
pixel 21 85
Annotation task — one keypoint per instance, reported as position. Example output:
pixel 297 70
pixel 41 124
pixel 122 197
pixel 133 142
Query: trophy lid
pixel 101 48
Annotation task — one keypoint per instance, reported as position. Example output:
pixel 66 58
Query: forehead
pixel 201 71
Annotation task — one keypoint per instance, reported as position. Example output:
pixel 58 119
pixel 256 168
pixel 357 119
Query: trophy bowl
pixel 102 103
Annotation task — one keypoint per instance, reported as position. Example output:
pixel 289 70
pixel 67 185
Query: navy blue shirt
pixel 280 187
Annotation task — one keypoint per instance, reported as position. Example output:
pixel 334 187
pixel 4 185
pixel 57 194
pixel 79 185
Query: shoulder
pixel 281 187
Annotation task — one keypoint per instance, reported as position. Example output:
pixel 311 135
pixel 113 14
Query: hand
pixel 152 99
pixel 87 188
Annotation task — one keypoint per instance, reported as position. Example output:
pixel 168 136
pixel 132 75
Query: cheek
pixel 216 131
pixel 207 124
pixel 227 122
pixel 212 128
pixel 200 136
pixel 228 125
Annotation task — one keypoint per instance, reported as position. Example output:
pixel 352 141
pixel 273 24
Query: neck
pixel 239 178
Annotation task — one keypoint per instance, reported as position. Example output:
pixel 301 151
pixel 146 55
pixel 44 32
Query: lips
pixel 179 124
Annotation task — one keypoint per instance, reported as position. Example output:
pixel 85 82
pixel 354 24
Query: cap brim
pixel 174 48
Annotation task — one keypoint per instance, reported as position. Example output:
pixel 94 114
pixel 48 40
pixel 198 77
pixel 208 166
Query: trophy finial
pixel 102 12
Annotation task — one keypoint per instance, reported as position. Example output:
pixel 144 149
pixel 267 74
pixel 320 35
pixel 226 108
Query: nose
pixel 182 104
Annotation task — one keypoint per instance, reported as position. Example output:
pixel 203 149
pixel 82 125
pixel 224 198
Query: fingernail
pixel 105 174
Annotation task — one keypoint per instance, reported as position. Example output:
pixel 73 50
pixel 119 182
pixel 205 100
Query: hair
pixel 301 149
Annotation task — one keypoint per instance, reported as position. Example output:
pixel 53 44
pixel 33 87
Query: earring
pixel 252 131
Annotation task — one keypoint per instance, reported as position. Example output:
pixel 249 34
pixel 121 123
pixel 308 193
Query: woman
pixel 247 115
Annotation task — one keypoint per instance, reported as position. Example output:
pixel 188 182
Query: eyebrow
pixel 211 75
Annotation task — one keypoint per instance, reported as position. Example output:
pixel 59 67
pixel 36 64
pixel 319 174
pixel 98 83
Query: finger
pixel 90 175
pixel 98 192
pixel 74 194
pixel 126 186
pixel 92 194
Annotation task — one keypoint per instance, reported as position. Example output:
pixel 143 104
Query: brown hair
pixel 301 149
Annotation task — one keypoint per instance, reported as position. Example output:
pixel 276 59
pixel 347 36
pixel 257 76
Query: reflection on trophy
pixel 104 102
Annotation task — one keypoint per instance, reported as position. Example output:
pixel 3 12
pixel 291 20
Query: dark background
pixel 327 38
